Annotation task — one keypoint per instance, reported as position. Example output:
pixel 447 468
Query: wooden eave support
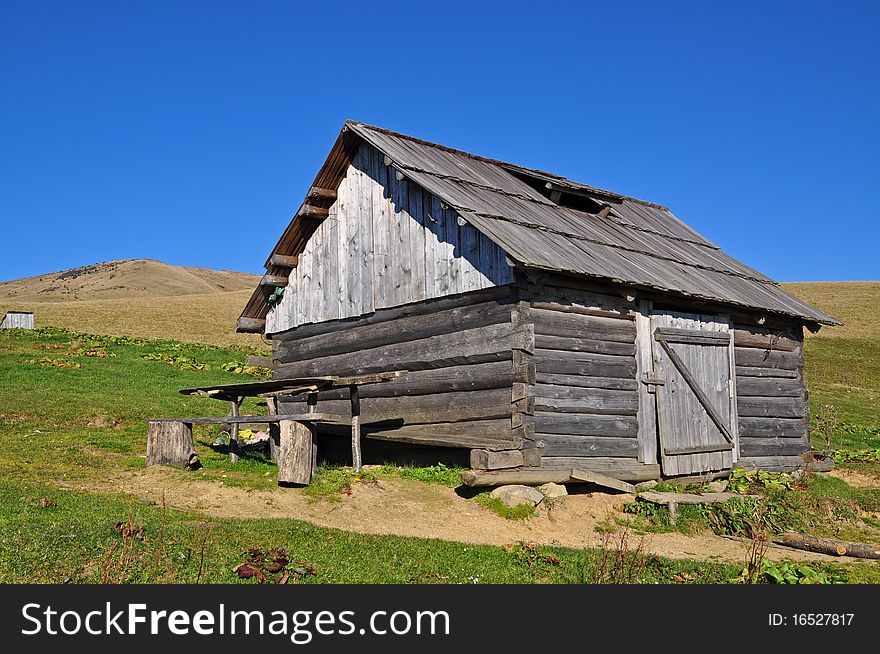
pixel 318 193
pixel 311 211
pixel 273 280
pixel 283 261
pixel 248 325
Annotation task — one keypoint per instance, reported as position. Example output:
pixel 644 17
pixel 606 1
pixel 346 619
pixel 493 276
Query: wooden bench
pixel 170 441
pixel 292 436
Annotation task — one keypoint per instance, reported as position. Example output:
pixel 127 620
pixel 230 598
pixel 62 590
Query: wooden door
pixel 696 405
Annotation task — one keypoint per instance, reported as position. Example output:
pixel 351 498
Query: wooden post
pixel 171 444
pixel 294 443
pixel 233 431
pixel 272 405
pixel 355 427
pixel 312 400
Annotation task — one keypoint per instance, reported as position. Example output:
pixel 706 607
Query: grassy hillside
pixel 206 318
pixel 141 298
pixel 123 279
pixel 87 424
pixel 843 363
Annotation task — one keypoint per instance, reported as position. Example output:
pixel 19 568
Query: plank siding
pixel 386 242
pixel 774 415
pixel 586 391
pixel 461 376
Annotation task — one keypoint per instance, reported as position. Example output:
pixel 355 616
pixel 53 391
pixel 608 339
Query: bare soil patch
pixel 410 508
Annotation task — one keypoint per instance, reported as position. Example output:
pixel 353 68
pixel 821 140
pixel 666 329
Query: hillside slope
pixel 131 278
pixel 138 297
pixel 843 363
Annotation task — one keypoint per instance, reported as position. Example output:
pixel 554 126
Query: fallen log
pixel 830 546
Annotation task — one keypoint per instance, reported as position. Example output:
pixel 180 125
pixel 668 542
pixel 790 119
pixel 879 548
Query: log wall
pixel 774 416
pixel 465 360
pixel 586 398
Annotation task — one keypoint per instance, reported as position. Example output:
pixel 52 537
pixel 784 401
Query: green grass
pixel 518 512
pixel 63 424
pixel 845 373
pixel 75 538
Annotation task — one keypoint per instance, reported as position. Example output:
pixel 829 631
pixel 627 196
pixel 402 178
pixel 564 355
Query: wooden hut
pixel 17 320
pixel 546 325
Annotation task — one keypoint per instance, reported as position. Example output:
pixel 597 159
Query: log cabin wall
pixel 467 358
pixel 586 392
pixel 386 242
pixel 774 414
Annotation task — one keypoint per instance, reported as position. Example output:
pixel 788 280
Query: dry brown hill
pixel 138 297
pixel 131 278
pixel 851 302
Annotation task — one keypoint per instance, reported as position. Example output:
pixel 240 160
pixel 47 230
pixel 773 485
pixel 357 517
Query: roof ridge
pixel 503 164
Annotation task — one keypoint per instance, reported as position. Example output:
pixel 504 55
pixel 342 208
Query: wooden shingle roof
pixel 550 223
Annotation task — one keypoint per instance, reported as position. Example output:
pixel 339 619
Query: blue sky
pixel 189 132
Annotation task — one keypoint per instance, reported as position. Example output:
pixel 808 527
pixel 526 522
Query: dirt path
pixel 410 508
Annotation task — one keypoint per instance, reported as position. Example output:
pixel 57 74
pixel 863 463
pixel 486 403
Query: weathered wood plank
pixel 772 463
pixel 421 409
pixel 283 260
pixel 773 446
pixel 392 313
pixel 564 445
pixel 569 399
pixel 480 345
pixel 583 363
pixel 602 480
pixel 318 193
pixel 585 425
pixel 405 328
pixel 771 407
pixel 493 434
pixel 250 325
pixel 766 339
pixel 273 280
pixel 570 344
pixel 314 212
pixel 627 469
pixel 581 381
pixel 570 300
pixel 754 371
pixel 494 460
pixel 572 325
pixel 757 358
pixel 769 387
pixel 647 415
pixel 772 427
pixel 483 478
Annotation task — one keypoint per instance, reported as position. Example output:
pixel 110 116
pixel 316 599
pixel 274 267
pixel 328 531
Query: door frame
pixel 649 423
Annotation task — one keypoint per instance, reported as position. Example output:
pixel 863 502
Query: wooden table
pixel 296 431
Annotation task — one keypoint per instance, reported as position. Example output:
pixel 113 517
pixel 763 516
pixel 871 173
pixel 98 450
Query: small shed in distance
pixel 18 320
pixel 544 324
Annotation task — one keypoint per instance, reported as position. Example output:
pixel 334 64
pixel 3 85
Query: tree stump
pixel 171 444
pixel 293 443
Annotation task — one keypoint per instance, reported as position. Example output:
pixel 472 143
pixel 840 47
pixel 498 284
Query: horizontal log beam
pixel 318 193
pixel 481 478
pixel 250 325
pixel 311 211
pixel 283 261
pixel 772 427
pixel 769 387
pixel 587 446
pixel 273 280
pixel 626 469
pixel 578 424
